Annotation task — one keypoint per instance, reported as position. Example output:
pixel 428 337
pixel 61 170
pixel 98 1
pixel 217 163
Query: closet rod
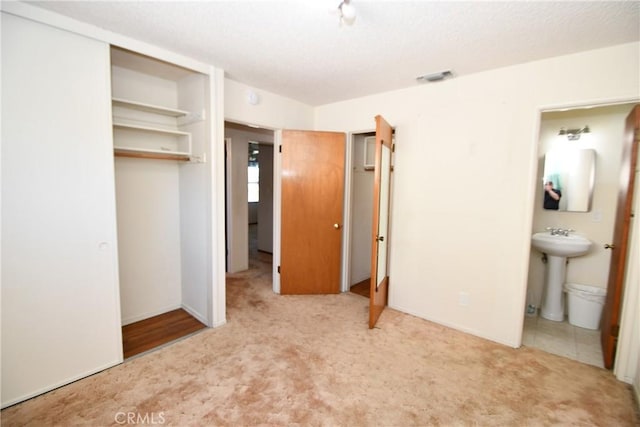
pixel 156 156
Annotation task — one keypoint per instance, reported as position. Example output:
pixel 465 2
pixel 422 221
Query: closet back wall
pixel 148 205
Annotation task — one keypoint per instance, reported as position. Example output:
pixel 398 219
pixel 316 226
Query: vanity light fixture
pixel 574 134
pixel 347 12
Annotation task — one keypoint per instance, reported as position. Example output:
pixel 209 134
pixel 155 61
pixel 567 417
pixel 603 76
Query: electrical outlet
pixel 464 299
pixel 597 215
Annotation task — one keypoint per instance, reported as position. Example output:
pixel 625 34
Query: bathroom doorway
pixel 606 125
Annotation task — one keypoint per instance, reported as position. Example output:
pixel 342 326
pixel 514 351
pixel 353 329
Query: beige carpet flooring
pixel 311 360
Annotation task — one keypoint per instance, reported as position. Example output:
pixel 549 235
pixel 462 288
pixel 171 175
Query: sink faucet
pixel 559 231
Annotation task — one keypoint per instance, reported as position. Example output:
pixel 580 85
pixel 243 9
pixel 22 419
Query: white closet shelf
pixel 151 154
pixel 149 108
pixel 122 125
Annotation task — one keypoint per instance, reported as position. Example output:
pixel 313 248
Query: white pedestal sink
pixel 558 245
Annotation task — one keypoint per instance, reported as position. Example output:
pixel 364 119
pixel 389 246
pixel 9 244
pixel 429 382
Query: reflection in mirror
pixel 568 179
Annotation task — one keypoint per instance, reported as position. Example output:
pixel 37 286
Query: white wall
pixel 237 206
pixel 272 111
pixel 196 249
pixel 148 204
pixel 607 130
pixel 265 206
pixel 465 169
pixel 253 213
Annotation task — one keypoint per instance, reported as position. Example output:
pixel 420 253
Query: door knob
pixel 609 246
pixel 336 226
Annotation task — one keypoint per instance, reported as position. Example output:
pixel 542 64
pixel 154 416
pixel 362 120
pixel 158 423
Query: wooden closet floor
pixel 155 331
pixel 362 288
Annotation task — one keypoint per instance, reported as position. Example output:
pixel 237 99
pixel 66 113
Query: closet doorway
pixel 160 117
pixel 362 166
pixel 362 193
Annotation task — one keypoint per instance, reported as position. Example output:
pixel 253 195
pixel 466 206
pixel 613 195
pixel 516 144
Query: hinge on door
pixel 280 148
pixel 393 148
pixel 615 330
pixel 278 269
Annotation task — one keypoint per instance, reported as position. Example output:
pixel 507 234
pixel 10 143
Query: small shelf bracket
pixel 198 159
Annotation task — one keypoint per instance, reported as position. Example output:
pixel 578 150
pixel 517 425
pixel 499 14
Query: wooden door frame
pixel 345 282
pixel 345 276
pixel 625 341
pixel 347 210
pixel 277 212
pixel 277 209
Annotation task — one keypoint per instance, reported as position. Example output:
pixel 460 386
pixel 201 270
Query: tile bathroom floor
pixel 563 339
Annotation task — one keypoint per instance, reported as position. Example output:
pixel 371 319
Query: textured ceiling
pixel 299 49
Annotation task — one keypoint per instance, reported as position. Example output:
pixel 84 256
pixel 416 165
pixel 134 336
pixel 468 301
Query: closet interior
pixel 160 122
pixel 363 156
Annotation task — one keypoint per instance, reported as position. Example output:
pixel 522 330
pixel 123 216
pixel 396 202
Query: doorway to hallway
pixel 248 192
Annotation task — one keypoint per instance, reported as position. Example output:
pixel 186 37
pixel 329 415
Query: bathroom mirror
pixel 569 174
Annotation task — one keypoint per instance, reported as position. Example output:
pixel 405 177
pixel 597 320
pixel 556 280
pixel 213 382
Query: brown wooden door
pixel 380 229
pixel 610 323
pixel 312 211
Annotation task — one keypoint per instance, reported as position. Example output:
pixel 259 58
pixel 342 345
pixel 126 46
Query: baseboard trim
pixel 62 383
pixel 193 312
pixel 636 394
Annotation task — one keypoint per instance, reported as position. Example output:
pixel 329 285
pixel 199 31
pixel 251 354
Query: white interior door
pixel 60 297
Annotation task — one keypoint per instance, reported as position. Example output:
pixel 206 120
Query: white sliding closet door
pixel 60 298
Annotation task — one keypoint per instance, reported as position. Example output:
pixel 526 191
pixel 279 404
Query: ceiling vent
pixel 435 77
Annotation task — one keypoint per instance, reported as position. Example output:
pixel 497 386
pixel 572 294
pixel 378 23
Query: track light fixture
pixel 574 134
